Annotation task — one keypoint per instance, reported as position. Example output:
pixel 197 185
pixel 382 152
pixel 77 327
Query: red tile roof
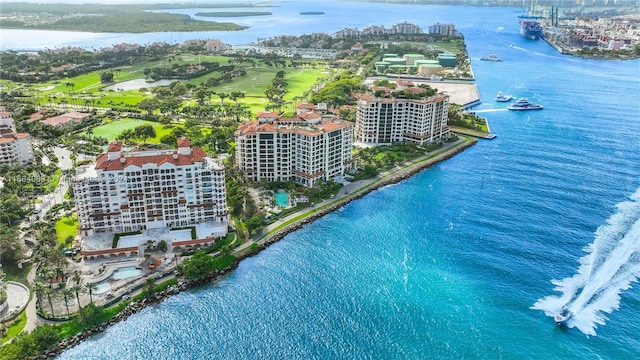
pixel 65 118
pixel 115 146
pixel 197 155
pixel 267 114
pixel 183 142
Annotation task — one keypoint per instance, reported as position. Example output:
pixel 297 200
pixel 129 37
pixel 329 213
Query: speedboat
pixel 524 104
pixel 503 97
pixel 492 57
pixel 563 316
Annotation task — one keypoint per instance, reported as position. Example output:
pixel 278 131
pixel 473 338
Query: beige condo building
pixel 386 120
pixel 308 148
pixel 15 147
pixel 140 190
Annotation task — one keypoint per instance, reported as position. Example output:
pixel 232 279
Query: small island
pixel 100 18
pixel 312 13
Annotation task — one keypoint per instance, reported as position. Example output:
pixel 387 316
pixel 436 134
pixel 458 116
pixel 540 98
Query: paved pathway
pixel 350 189
pixel 17 297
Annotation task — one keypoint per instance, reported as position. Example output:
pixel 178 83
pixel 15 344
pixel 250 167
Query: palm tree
pixel 91 287
pixel 70 85
pixel 66 293
pixel 58 273
pixel 39 289
pixel 150 286
pixel 51 294
pixel 77 277
pixel 77 289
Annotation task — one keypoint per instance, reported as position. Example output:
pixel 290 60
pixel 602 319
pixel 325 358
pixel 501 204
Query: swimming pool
pixel 282 198
pixel 120 274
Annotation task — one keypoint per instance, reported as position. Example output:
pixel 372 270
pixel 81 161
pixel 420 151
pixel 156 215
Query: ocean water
pixel 469 259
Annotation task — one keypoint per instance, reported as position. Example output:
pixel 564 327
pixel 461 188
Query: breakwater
pixel 187 284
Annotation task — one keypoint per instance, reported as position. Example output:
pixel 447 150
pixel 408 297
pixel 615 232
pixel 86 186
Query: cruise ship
pixel 530 27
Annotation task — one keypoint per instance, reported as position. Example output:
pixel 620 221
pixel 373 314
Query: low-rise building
pixel 15 147
pixel 66 119
pixel 141 190
pixel 306 149
pixel 385 119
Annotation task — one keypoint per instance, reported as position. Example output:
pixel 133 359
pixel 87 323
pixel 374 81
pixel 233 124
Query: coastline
pixel 275 232
pixel 297 221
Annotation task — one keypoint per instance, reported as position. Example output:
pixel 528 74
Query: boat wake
pixel 611 264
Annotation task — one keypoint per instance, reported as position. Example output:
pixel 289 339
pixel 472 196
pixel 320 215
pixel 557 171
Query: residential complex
pixel 384 119
pixel 15 147
pixel 308 148
pixel 404 28
pixel 140 190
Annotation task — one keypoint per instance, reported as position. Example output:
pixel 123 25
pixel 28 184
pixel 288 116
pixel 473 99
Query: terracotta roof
pixel 334 126
pixel 266 128
pixel 192 242
pixel 197 155
pixel 305 106
pixel 288 120
pixel 267 114
pixel 255 127
pixel 309 115
pixel 5 114
pixel 183 142
pixel 11 137
pixel 115 146
pixel 65 118
pixel 109 251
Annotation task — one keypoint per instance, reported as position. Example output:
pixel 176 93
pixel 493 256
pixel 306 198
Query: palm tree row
pixel 43 291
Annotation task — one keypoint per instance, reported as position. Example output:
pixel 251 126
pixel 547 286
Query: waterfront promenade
pixel 352 191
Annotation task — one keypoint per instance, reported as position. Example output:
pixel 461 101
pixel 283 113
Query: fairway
pixel 111 130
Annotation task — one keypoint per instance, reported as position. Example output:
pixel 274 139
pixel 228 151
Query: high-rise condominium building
pixel 138 190
pixel 383 119
pixel 15 147
pixel 307 148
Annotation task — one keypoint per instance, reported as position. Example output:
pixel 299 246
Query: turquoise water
pixel 282 198
pixel 456 262
pixel 119 274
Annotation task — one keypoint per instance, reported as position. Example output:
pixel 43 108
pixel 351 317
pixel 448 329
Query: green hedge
pixel 116 237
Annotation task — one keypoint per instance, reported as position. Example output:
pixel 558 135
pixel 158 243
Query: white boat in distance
pixel 492 57
pixel 503 97
pixel 524 104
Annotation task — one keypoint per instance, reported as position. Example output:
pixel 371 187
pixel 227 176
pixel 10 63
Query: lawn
pixel 257 80
pixel 14 273
pixel 65 227
pixel 111 130
pixel 15 327
pixel 87 90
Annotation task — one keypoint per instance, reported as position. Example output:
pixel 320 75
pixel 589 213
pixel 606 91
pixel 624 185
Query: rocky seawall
pixel 393 178
pixel 183 285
